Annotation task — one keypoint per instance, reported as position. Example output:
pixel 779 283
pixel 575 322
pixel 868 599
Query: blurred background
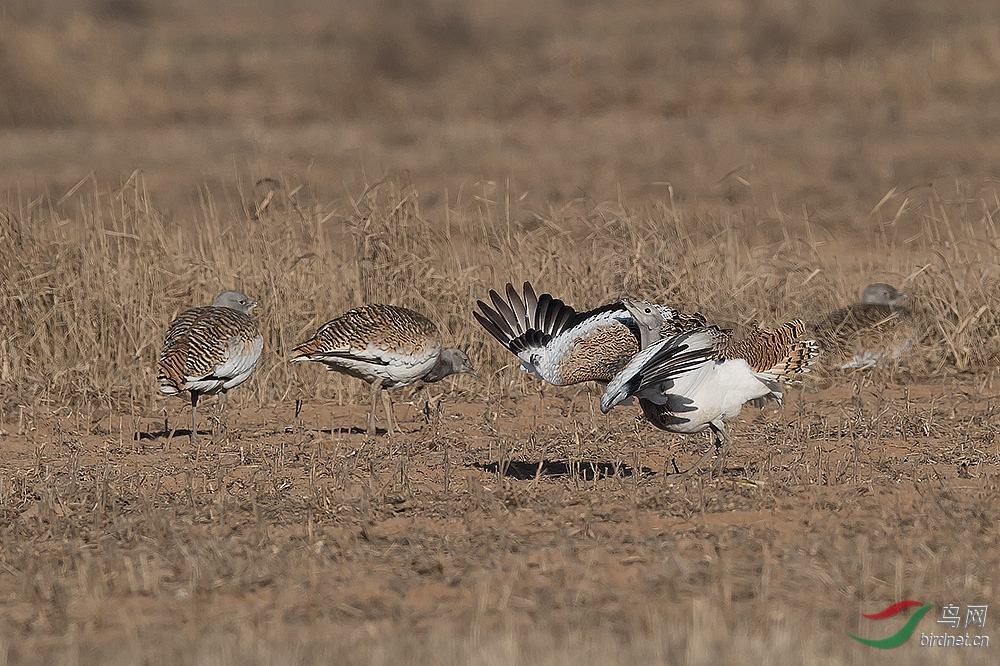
pixel 826 105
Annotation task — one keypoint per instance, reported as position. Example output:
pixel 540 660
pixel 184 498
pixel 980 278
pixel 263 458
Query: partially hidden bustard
pixel 876 331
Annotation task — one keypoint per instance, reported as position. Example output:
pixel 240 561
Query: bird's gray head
pixel 235 300
pixel 646 314
pixel 881 293
pixel 450 362
pixel 649 318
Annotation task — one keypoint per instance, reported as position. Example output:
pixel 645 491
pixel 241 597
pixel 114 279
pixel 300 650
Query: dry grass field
pixel 755 161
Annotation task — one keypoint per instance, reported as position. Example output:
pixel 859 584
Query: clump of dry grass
pixel 93 275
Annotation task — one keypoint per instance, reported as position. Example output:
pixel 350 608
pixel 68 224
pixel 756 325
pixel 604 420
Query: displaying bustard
pixel 562 346
pixel 701 395
pixel 385 345
pixel 876 331
pixel 210 350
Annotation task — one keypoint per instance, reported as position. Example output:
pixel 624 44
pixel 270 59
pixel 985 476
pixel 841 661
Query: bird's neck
pixel 441 369
pixel 648 336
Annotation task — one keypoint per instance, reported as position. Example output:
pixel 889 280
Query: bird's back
pixel 853 319
pixel 867 333
pixel 596 345
pixel 594 348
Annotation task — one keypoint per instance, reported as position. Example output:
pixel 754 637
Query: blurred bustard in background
pixel 876 331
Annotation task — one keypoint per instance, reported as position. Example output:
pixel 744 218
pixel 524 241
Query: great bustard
pixel 701 395
pixel 876 331
pixel 385 345
pixel 210 350
pixel 562 346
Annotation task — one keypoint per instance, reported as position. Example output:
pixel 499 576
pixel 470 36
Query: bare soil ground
pixel 524 530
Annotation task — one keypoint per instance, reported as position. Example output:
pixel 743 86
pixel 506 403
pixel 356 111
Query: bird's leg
pixel 722 444
pixel 723 438
pixel 194 417
pixel 223 412
pixel 376 387
pixel 701 461
pixel 387 406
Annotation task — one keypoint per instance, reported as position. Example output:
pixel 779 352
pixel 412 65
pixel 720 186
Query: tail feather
pixel 170 368
pixel 798 359
pixel 778 354
pixel 168 386
pixel 546 311
pixel 518 306
pixel 494 324
pixel 558 316
pixel 525 321
pixel 506 312
pixel 531 304
pixel 304 351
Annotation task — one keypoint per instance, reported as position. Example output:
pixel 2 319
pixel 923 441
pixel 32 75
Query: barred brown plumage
pixel 387 346
pixel 780 352
pixel 686 383
pixel 210 350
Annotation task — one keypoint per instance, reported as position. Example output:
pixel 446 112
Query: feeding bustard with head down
pixel 876 331
pixel 719 374
pixel 385 345
pixel 210 350
pixel 562 346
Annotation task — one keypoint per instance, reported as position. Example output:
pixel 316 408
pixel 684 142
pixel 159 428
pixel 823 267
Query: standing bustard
pixel 562 346
pixel 702 395
pixel 385 345
pixel 873 332
pixel 210 350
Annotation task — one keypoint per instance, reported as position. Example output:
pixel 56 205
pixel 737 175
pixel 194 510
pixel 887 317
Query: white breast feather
pixel 716 390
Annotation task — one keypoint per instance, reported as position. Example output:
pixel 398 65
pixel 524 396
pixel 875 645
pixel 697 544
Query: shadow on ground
pixel 527 469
